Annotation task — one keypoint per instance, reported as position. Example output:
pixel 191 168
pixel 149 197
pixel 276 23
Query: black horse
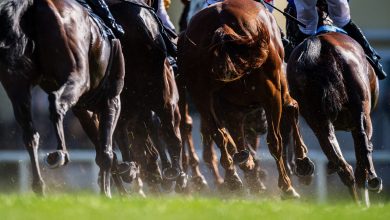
pixel 56 45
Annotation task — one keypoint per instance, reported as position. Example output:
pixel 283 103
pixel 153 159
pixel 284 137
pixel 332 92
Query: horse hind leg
pixel 197 178
pixel 273 110
pixel 365 175
pixel 20 97
pixel 170 121
pixel 325 133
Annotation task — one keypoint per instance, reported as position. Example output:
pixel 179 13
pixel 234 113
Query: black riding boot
pixel 287 45
pixel 354 31
pixel 101 9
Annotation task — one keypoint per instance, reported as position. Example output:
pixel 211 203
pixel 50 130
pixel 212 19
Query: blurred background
pixel 372 16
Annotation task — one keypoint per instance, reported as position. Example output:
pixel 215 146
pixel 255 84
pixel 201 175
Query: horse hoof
pixel 233 182
pixel 254 183
pixel 332 168
pixel 171 173
pixel 128 171
pixel 375 184
pixel 262 174
pixel 56 159
pixel 304 167
pixel 241 157
pixel 290 194
pixel 199 183
pixel 181 183
pixel 306 180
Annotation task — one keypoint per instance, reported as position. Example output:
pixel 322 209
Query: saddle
pixel 329 28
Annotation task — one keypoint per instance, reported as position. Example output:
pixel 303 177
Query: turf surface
pixel 84 206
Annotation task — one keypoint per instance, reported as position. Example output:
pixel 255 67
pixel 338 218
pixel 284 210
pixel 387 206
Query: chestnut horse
pixel 337 89
pixel 231 57
pixel 41 45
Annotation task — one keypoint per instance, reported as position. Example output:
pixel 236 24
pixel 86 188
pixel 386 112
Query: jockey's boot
pixel 167 34
pixel 101 9
pixel 287 45
pixel 372 56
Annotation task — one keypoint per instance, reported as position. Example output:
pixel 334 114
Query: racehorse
pixel 149 86
pixel 75 64
pixel 231 57
pixel 337 89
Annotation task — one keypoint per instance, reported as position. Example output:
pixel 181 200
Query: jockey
pixel 101 9
pixel 167 28
pixel 163 14
pixel 339 12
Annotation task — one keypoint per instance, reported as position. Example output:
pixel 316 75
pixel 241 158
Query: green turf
pixel 84 206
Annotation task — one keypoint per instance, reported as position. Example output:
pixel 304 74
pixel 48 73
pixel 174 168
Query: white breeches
pixel 306 13
pixel 163 15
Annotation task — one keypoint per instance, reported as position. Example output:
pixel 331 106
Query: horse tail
pixel 14 43
pixel 326 85
pixel 235 55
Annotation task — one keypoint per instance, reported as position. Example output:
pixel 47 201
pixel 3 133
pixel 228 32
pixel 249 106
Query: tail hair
pixel 327 87
pixel 235 55
pixel 13 40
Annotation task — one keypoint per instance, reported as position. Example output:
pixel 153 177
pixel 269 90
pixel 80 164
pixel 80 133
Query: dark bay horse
pixel 56 45
pixel 231 58
pixel 337 89
pixel 149 86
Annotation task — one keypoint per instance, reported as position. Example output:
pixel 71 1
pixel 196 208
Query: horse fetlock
pixel 375 184
pixel 290 193
pixel 232 180
pixel 106 160
pixel 332 168
pixel 241 157
pixel 56 159
pixel 128 171
pixel 38 187
pixel 199 183
pixel 171 173
pixel 346 176
pixel 304 167
pixel 181 183
pixel 253 181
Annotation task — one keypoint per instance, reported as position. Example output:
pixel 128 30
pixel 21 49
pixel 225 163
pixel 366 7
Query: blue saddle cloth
pixel 329 28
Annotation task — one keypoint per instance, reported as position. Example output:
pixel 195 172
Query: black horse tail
pixel 235 55
pixel 324 78
pixel 14 43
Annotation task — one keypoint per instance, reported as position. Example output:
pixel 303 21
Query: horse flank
pixel 328 85
pixel 13 40
pixel 235 55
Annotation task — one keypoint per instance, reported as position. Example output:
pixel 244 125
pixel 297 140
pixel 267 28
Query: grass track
pixel 84 206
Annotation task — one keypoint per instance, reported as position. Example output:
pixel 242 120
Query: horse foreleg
pixel 60 102
pixel 186 133
pixel 303 166
pixel 21 102
pixel 108 119
pixel 210 157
